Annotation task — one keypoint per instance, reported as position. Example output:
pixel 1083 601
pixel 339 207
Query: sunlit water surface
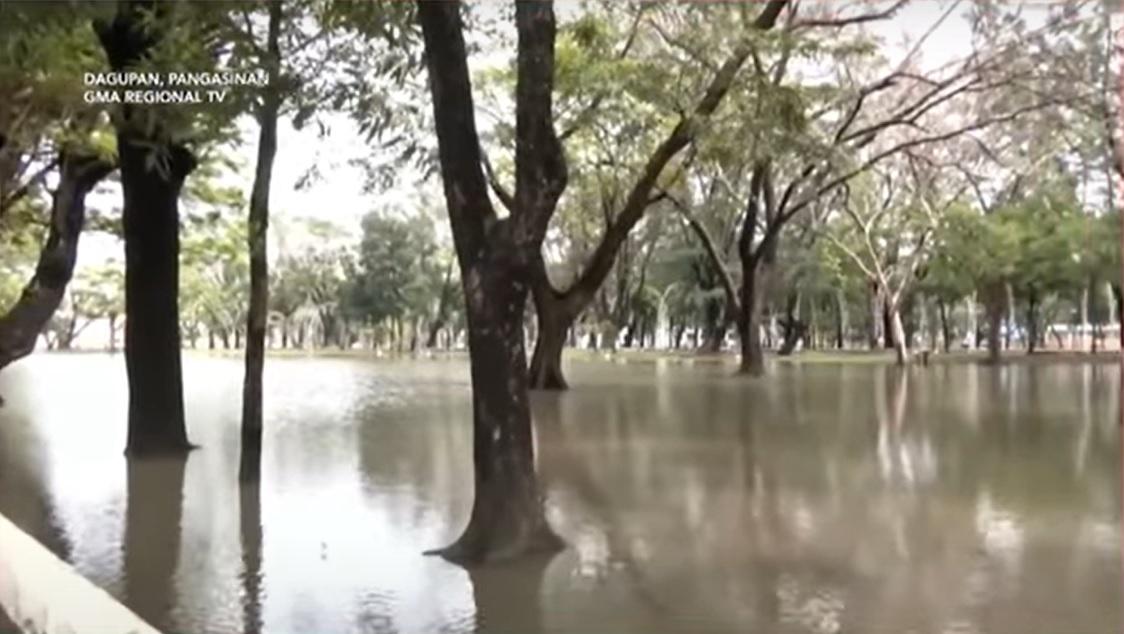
pixel 836 499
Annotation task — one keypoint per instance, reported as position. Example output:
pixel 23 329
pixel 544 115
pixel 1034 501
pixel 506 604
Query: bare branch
pixel 498 189
pixel 851 20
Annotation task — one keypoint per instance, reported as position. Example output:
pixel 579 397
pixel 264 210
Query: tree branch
pixel 712 252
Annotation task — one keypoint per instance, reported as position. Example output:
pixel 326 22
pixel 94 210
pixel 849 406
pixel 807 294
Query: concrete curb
pixel 43 595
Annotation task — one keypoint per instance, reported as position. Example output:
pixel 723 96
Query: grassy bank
pixel 690 356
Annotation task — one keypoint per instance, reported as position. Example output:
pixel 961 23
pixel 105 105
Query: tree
pixel 153 165
pixel 21 325
pixel 268 111
pixel 888 238
pixel 557 309
pixel 507 516
pixel 43 131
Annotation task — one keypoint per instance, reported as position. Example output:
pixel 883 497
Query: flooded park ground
pixel 827 497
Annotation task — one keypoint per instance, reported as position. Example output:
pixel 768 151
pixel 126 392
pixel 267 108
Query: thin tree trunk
pixel 901 341
pixel 887 325
pixel 875 316
pixel 250 539
pixel 113 332
pixel 442 308
pixel 249 469
pixel 1031 321
pixel 946 332
pixel 21 325
pixel 840 320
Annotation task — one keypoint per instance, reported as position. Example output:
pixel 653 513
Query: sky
pixel 339 197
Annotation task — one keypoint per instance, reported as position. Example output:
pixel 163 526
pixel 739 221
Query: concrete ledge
pixel 43 595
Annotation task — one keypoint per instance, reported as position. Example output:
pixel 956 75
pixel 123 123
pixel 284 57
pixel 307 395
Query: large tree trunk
pixel 21 325
pixel 756 275
pixel 152 173
pixel 507 518
pixel 152 338
pixel 1031 321
pixel 249 469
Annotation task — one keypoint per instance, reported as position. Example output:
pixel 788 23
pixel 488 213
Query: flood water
pixel 853 499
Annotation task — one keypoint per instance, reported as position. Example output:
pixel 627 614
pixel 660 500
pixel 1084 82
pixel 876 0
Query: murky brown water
pixel 848 499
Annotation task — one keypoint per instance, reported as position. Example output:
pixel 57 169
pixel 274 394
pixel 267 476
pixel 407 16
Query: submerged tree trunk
pixel 754 289
pixel 153 527
pixel 840 320
pixel 507 518
pixel 875 316
pixel 153 170
pixel 946 333
pixel 887 325
pixel 994 305
pixel 21 325
pixel 152 338
pixel 249 469
pixel 554 322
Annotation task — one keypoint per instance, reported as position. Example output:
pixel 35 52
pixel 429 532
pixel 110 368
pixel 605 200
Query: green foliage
pixel 398 269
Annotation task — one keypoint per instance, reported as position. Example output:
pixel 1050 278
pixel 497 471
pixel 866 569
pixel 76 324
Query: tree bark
pixel 994 305
pixel 249 469
pixel 507 518
pixel 21 325
pixel 113 332
pixel 900 340
pixel 554 321
pixel 640 195
pixel 153 170
pixel 840 320
pixel 1031 321
pixel 887 326
pixel 756 276
pixel 946 332
pixel 875 316
pixel 442 308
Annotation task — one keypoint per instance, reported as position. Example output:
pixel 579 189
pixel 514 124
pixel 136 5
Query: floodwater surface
pixel 850 499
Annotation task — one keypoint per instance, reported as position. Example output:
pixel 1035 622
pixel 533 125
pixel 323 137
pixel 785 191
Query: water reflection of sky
pixel 822 499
